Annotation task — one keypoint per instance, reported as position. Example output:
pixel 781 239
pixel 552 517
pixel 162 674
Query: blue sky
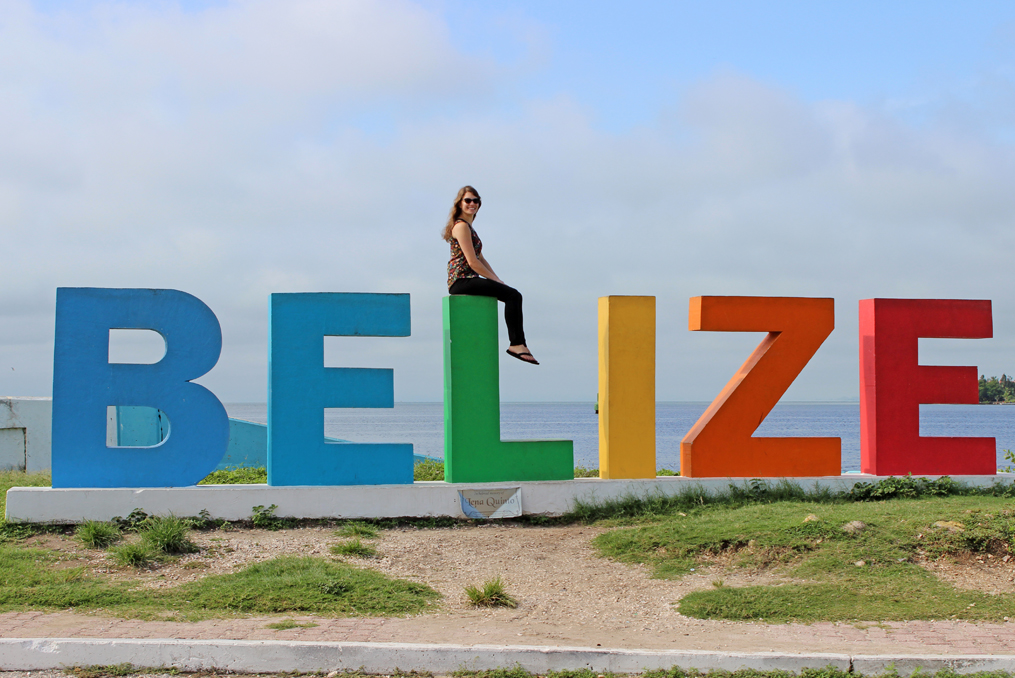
pixel 627 63
pixel 234 149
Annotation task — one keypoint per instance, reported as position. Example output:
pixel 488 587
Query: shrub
pixel 96 534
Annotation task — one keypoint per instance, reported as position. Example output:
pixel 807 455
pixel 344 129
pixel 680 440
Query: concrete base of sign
pixel 421 499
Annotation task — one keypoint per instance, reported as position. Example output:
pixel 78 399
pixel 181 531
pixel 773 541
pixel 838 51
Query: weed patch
pixel 117 670
pixel 133 554
pixel 492 594
pixel 515 671
pixel 356 528
pixel 287 624
pixel 905 487
pixel 133 522
pixel 265 518
pixel 428 469
pixel 166 534
pixel 97 535
pixel 237 475
pixel 354 547
pixel 14 532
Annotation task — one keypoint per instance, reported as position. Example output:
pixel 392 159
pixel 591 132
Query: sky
pixel 675 149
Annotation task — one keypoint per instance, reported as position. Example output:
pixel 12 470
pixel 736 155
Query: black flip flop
pixel 519 356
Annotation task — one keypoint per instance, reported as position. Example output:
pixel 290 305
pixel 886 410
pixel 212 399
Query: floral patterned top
pixel 458 267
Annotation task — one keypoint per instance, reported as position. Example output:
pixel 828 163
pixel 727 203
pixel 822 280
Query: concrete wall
pixel 25 425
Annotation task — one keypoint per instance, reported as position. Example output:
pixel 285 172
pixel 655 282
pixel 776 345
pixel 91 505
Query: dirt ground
pixel 566 593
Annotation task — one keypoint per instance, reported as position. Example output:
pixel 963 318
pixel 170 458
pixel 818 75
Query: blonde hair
pixel 456 210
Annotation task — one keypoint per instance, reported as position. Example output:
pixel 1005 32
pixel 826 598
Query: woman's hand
pixel 490 268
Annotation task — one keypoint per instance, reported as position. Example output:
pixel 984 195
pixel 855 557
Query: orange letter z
pixel 720 444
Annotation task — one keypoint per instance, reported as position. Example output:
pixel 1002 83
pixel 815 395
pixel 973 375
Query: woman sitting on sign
pixel 470 273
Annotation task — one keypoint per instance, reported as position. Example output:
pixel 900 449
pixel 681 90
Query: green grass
pixel 508 672
pixel 354 547
pixel 428 469
pixel 96 534
pixel 14 532
pixel 237 475
pixel 302 584
pixel 822 557
pixel 34 579
pixel 167 534
pixel 492 594
pixel 9 479
pixel 756 490
pixel 133 554
pixel 287 624
pixel 355 528
pixel 117 670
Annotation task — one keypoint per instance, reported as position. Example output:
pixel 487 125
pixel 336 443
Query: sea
pixel 422 424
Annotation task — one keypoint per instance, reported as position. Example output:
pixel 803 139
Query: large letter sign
pixel 720 443
pixel 893 385
pixel 627 387
pixel 300 387
pixel 85 384
pixel 473 450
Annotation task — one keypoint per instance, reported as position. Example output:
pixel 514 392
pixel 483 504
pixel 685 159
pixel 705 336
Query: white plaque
pixel 504 502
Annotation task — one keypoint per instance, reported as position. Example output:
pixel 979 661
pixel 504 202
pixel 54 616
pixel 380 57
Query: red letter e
pixel 893 385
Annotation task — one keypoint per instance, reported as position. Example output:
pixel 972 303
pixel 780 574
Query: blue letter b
pixel 85 383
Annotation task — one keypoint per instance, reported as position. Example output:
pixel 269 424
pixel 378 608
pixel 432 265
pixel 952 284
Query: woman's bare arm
pixel 463 235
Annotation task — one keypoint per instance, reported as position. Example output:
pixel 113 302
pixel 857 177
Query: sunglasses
pixel 472 201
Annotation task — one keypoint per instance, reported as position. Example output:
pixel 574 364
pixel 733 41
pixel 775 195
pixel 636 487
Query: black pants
pixel 512 298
